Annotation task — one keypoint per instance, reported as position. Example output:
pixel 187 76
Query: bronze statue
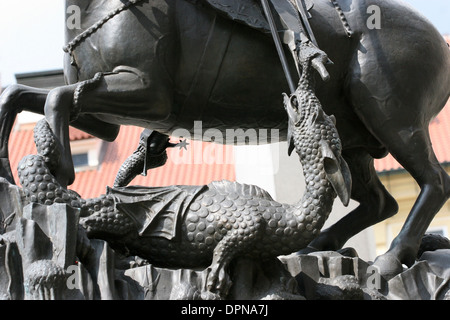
pixel 163 64
pixel 212 225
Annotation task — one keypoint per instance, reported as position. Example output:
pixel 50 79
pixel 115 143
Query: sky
pixel 32 33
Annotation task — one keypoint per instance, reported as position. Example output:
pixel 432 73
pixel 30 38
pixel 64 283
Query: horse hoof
pixel 388 266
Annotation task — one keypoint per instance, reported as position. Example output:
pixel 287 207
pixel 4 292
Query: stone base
pixel 38 261
pixel 318 276
pixel 331 275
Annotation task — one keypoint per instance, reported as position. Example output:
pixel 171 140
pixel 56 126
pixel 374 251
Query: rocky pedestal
pixel 41 246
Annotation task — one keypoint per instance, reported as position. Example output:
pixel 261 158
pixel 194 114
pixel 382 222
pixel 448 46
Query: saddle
pixel 250 13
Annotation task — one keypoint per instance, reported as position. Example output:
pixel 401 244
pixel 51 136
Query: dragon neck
pixel 314 131
pixel 312 211
pixel 307 79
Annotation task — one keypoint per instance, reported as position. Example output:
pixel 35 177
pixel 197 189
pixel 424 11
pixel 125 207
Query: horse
pixel 162 64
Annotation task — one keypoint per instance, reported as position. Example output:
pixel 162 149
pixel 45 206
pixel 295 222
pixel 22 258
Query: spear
pixel 305 20
pixel 278 44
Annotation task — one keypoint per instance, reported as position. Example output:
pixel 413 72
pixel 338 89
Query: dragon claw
pixel 218 282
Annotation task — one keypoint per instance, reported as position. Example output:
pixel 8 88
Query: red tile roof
pixel 93 183
pixel 177 171
pixel 76 134
pixel 20 144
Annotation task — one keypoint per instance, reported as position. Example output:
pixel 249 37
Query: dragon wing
pixel 155 211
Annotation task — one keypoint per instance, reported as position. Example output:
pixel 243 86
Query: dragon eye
pixel 294 102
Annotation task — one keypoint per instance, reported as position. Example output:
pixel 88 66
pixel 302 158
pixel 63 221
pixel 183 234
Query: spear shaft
pixel 278 44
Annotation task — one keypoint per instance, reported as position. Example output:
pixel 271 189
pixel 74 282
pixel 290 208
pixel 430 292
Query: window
pixel 86 154
pixel 80 160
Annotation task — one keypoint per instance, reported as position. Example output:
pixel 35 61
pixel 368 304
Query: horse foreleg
pixel 122 96
pixel 57 109
pixel 15 99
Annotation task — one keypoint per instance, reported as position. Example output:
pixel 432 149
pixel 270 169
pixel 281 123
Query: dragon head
pixel 313 134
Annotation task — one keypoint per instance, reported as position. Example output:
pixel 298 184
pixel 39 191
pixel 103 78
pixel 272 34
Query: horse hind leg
pixel 416 155
pixel 400 126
